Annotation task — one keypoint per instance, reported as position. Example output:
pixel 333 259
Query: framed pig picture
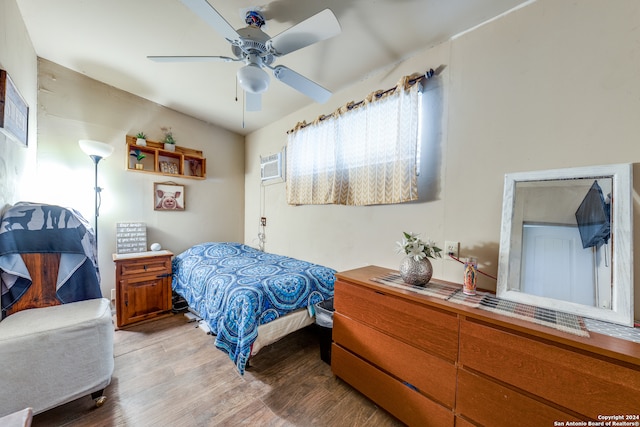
pixel 168 196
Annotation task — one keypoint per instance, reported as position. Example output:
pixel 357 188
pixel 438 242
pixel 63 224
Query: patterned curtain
pixel 362 154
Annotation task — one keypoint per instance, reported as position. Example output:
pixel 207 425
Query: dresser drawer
pixel 461 422
pixel 429 374
pixel 430 329
pixel 588 385
pixel 407 405
pixel 491 404
pixel 158 265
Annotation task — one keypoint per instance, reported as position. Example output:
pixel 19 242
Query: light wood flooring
pixel 169 373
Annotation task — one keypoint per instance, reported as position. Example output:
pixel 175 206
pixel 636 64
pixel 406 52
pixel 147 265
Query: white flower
pixel 415 247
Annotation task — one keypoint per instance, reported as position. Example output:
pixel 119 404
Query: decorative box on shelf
pixel 183 162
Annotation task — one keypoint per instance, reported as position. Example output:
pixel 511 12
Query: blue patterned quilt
pixel 235 288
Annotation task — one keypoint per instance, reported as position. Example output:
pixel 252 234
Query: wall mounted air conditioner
pixel 272 168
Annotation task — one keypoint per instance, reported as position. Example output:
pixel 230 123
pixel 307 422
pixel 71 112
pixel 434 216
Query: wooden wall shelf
pixel 183 162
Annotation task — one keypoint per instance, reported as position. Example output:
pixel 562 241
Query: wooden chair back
pixel 43 268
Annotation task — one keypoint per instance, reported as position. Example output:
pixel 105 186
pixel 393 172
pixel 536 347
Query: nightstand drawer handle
pixel 162 276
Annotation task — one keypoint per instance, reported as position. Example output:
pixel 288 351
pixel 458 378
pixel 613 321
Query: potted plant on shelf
pixel 169 141
pixel 141 139
pixel 139 155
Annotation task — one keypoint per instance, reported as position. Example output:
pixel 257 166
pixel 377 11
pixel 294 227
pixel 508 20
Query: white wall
pixel 73 107
pixel 553 84
pixel 18 59
pixel 550 85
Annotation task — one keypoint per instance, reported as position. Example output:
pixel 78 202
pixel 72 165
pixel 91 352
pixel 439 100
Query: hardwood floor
pixel 169 373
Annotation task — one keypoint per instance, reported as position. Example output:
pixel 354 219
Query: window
pixel 360 155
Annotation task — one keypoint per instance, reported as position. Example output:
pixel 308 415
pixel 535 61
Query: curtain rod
pixel 378 94
pixel 411 82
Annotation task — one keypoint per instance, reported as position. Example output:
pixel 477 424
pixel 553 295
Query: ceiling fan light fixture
pixel 253 79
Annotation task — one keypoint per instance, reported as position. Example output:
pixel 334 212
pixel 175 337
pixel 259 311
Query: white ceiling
pixel 108 40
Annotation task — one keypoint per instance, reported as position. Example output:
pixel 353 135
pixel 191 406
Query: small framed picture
pixel 14 112
pixel 169 167
pixel 168 196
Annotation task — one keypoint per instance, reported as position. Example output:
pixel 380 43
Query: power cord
pixel 479 271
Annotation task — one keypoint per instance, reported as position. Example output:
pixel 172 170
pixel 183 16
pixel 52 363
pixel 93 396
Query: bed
pixel 249 298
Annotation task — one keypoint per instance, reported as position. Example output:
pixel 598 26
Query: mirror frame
pixel 621 241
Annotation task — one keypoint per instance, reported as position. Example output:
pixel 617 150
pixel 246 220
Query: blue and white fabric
pixel 41 228
pixel 235 288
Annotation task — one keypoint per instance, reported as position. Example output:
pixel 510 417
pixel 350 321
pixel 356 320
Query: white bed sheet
pixel 280 327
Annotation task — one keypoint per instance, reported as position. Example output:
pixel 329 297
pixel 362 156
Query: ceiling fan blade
pixel 211 16
pixel 253 101
pixel 191 58
pixel 302 84
pixel 321 26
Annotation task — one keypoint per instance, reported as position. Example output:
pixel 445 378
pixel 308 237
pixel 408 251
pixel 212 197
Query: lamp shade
pixel 95 148
pixel 253 79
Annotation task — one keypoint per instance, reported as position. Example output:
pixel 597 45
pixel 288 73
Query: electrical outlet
pixel 113 294
pixel 263 221
pixel 451 248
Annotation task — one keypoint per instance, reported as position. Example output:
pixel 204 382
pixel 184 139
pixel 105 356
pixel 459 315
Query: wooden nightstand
pixel 143 286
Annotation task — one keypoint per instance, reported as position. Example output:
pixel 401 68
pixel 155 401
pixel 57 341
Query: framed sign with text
pixel 14 111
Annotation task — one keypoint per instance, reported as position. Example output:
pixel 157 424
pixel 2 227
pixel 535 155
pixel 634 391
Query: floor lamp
pixel 97 151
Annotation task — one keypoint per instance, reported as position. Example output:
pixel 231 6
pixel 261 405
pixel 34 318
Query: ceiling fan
pixel 258 50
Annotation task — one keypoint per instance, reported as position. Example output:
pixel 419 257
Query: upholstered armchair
pixel 56 332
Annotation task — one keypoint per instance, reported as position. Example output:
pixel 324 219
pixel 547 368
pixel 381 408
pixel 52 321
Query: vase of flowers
pixel 416 268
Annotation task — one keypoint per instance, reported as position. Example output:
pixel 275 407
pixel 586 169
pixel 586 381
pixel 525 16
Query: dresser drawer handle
pixel 380 293
pixel 162 276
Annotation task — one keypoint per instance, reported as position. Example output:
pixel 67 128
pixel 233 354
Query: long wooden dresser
pixel 431 362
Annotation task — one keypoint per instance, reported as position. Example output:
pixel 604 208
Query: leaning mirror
pixel 566 241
